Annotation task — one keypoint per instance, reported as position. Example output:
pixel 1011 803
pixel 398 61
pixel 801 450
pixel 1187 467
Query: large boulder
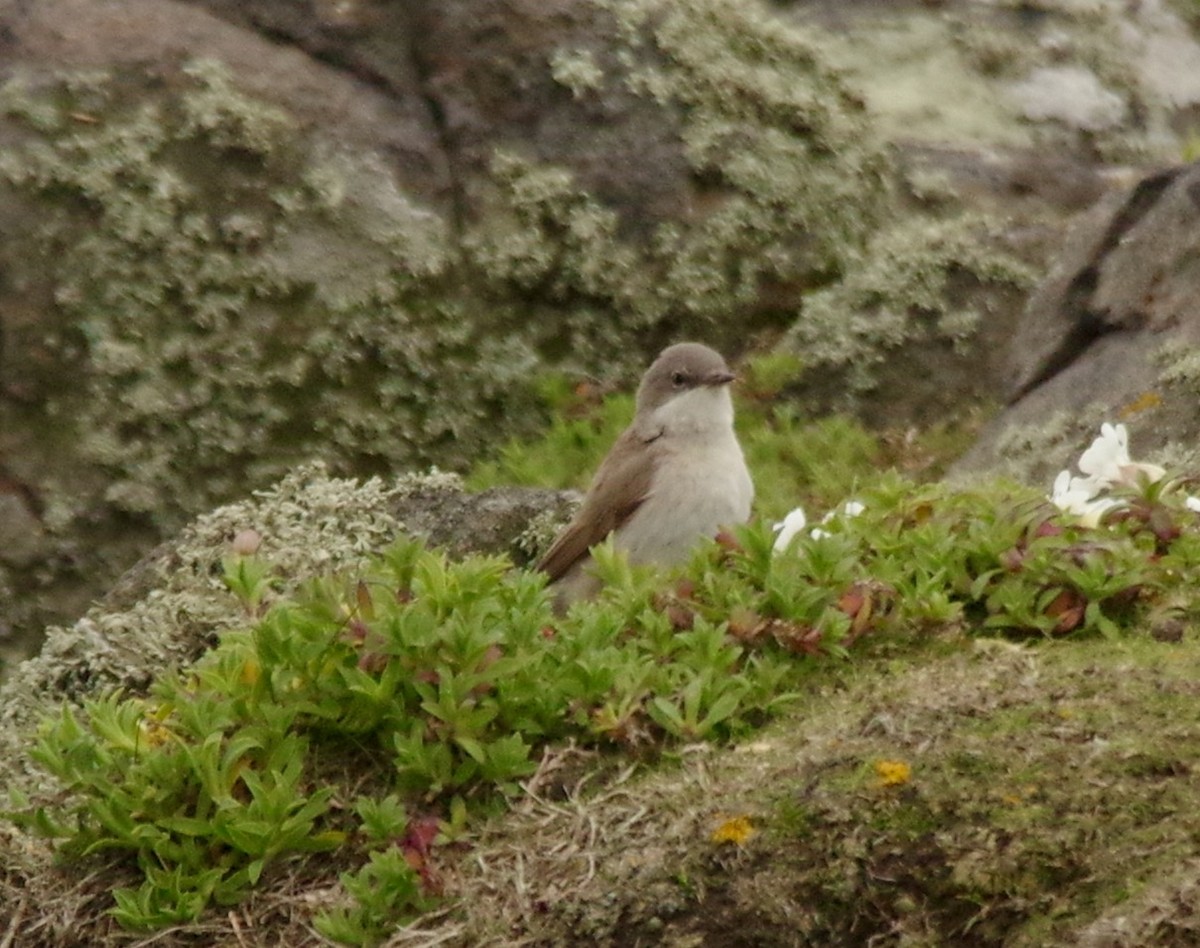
pixel 236 236
pixel 1111 334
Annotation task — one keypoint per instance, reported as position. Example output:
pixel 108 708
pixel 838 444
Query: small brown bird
pixel 674 476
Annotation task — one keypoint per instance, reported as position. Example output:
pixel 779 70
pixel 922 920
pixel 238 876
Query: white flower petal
pixel 1107 455
pixel 1062 484
pixel 1192 504
pixel 1090 515
pixel 787 529
pixel 1135 473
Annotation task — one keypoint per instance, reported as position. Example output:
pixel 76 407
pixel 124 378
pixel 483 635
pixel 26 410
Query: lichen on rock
pixel 901 303
pixel 784 181
pixel 224 329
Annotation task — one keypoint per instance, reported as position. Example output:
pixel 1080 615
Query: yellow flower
pixel 251 672
pixel 893 773
pixel 153 732
pixel 736 830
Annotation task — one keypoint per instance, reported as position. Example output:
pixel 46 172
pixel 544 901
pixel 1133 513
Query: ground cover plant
pixel 445 681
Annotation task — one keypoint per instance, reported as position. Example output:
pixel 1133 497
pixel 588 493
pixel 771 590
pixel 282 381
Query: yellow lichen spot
pixel 735 829
pixel 893 773
pixel 1143 402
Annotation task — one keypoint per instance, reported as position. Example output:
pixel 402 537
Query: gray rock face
pixel 1110 334
pixel 1068 94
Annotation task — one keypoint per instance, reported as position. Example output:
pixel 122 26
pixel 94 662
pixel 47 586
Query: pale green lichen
pixel 537 537
pixel 1180 363
pixel 231 120
pixel 897 294
pixel 576 69
pixel 222 320
pixel 231 295
pixel 782 158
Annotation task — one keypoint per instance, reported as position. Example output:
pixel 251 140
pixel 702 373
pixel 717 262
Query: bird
pixel 676 475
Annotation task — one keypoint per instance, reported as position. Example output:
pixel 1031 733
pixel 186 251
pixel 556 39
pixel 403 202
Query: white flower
pixel 787 529
pixel 1107 461
pixel 818 534
pixel 1192 504
pixel 1103 460
pixel 852 508
pixel 1074 495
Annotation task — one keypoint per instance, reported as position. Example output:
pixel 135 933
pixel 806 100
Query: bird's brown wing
pixel 620 486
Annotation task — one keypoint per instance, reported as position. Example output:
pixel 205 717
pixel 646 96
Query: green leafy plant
pixel 448 679
pixel 456 672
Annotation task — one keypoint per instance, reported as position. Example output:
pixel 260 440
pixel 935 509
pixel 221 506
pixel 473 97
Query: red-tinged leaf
pixel 746 625
pixel 728 541
pixel 1068 607
pixel 681 617
pixel 356 632
pixel 853 601
pixel 372 662
pixel 1163 525
pixel 1013 559
pixel 801 639
pixel 421 832
pixel 363 601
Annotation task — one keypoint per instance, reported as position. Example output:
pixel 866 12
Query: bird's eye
pixel 677 379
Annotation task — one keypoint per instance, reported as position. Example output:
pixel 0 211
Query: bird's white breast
pixel 700 485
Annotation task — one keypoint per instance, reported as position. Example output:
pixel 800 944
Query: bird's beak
pixel 720 378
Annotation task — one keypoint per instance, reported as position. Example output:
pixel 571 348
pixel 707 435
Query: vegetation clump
pixel 448 681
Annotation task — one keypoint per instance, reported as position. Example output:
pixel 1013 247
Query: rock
pixel 1109 334
pixel 1068 94
pixel 23 541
